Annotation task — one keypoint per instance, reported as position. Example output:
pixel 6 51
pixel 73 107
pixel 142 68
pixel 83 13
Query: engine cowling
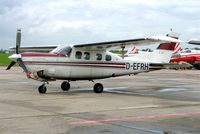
pixel 42 75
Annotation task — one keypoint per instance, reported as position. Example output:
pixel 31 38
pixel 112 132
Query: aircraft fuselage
pixel 81 65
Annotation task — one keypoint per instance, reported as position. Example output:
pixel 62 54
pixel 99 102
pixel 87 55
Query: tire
pixel 197 66
pixel 65 86
pixel 42 89
pixel 98 88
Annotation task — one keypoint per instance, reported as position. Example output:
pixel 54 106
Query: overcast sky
pixel 52 22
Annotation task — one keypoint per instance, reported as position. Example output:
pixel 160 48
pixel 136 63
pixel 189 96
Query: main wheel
pixel 98 88
pixel 42 89
pixel 65 86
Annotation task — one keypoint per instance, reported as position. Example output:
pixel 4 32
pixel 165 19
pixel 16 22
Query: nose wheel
pixel 98 88
pixel 65 86
pixel 42 89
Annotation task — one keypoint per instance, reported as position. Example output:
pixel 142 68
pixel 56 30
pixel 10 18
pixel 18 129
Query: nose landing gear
pixel 42 89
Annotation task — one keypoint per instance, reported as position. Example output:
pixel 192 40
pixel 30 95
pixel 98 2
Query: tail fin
pixel 177 48
pixel 161 55
pixel 164 52
pixel 167 46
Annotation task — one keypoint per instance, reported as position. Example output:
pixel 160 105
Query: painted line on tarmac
pixel 134 118
pixel 173 90
pixel 128 92
pixel 15 82
pixel 139 107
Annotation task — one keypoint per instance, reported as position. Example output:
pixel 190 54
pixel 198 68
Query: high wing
pixel 123 43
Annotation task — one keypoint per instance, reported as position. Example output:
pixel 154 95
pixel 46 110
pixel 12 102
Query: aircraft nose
pixel 14 57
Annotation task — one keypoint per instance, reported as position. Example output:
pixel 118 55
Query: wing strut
pixel 123 46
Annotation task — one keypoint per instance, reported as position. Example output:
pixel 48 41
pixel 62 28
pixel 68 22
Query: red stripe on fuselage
pixel 79 62
pixel 86 64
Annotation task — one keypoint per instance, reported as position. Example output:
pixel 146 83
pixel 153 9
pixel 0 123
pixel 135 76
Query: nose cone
pixel 14 57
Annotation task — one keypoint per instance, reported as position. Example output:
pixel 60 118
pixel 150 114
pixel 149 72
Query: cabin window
pixel 108 58
pixel 98 56
pixel 86 55
pixel 78 55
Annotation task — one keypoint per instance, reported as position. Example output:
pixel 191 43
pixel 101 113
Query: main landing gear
pixel 65 86
pixel 98 88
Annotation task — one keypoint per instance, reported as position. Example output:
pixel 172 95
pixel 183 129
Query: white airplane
pixel 87 61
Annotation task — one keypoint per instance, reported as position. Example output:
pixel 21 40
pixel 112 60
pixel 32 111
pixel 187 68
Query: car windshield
pixel 66 50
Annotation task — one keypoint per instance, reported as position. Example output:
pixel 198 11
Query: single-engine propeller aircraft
pixel 88 61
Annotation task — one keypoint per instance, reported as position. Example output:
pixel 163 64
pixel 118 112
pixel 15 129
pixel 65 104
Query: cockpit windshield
pixel 66 50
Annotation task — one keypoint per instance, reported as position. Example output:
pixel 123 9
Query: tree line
pixel 3 50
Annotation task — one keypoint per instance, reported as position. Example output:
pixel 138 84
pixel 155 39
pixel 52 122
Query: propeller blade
pixel 21 63
pixel 18 40
pixel 11 64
